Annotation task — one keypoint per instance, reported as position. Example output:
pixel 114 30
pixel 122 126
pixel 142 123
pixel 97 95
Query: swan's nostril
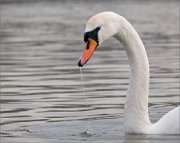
pixel 79 63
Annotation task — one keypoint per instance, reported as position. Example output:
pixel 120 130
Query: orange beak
pixel 89 48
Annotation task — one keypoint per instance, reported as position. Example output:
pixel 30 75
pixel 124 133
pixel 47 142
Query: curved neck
pixel 136 108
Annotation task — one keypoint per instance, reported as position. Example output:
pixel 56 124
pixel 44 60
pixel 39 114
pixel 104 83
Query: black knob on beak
pixel 79 63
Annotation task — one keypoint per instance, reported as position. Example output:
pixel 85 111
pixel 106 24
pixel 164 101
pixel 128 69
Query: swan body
pixel 136 118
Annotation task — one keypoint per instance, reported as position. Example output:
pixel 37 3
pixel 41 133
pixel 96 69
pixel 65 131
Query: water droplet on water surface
pixel 86 134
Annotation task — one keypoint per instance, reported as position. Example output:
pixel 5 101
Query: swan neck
pixel 136 107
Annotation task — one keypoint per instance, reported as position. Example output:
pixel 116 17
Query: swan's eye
pixel 91 34
pixel 88 45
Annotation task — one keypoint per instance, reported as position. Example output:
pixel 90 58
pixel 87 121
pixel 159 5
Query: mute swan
pixel 136 118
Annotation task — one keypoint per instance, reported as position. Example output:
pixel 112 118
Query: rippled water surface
pixel 42 96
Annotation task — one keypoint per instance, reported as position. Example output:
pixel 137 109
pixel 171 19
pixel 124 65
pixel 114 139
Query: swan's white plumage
pixel 168 124
pixel 136 117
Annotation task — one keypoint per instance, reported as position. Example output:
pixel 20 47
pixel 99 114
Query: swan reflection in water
pixel 136 139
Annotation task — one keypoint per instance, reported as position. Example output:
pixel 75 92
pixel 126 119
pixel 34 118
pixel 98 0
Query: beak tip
pixel 79 63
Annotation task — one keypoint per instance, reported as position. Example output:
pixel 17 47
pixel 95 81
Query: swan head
pixel 98 29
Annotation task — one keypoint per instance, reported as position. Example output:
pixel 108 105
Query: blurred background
pixel 42 96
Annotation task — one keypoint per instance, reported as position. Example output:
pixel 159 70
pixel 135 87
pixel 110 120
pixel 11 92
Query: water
pixel 87 132
pixel 41 88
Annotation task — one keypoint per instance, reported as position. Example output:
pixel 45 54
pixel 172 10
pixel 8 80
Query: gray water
pixel 42 99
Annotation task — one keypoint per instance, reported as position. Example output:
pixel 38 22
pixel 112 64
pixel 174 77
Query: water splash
pixel 87 133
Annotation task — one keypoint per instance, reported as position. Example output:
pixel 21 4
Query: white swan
pixel 136 118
